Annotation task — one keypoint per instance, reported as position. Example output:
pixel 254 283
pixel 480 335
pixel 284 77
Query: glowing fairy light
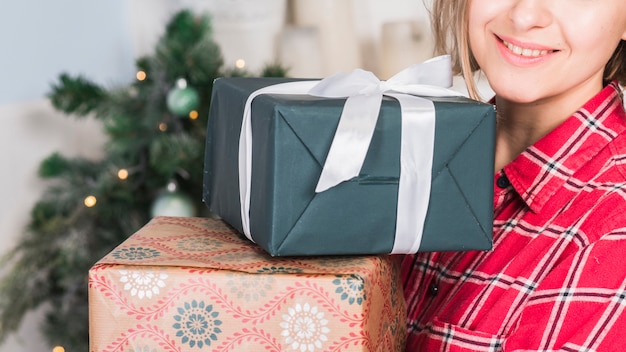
pixel 141 75
pixel 122 174
pixel 90 201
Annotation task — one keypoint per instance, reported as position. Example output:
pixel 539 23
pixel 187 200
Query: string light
pixel 58 349
pixel 162 127
pixel 90 201
pixel 241 63
pixel 193 114
pixel 122 174
pixel 172 186
pixel 141 75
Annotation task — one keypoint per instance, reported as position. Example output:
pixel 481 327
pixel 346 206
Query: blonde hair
pixel 450 28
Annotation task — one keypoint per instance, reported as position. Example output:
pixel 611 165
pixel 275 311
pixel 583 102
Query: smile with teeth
pixel 525 51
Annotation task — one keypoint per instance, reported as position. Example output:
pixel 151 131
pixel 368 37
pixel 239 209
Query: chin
pixel 518 93
pixel 521 98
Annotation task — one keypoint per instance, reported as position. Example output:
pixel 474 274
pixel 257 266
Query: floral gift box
pixel 190 284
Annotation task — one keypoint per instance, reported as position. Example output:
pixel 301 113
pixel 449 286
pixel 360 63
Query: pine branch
pixel 274 69
pixel 65 237
pixel 76 95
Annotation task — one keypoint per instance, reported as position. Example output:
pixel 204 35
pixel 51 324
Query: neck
pixel 521 125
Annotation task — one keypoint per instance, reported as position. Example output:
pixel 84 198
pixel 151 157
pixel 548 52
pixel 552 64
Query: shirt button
pixel 503 182
pixel 433 290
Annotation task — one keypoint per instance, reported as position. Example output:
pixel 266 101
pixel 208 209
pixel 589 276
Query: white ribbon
pixel 364 93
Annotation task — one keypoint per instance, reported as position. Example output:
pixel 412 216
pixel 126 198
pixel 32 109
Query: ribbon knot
pixel 363 92
pixel 385 86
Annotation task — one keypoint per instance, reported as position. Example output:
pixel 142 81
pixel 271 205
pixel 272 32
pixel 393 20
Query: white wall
pixel 30 132
pixel 42 38
pixel 351 32
pixel 100 39
pixel 38 40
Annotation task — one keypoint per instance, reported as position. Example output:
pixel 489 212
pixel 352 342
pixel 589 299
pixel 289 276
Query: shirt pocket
pixel 442 336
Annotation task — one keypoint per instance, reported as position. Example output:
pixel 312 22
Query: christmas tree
pixel 152 164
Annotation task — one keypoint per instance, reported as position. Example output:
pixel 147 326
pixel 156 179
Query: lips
pixel 526 51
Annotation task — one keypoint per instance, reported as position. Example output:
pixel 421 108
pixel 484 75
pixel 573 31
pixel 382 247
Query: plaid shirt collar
pixel 548 164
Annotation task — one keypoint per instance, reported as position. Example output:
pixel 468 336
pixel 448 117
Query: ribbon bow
pixel 364 92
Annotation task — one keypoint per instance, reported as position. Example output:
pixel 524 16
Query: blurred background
pixel 101 40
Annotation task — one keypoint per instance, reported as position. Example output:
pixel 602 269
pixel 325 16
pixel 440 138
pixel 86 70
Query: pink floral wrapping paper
pixel 191 284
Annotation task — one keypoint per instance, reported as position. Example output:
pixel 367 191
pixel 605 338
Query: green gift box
pixel 291 138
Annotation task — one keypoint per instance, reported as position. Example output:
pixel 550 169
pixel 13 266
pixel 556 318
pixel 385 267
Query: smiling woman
pixel 525 43
pixel 555 278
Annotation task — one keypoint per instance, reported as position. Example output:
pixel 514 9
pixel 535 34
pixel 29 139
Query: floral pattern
pixel 142 349
pixel 237 257
pixel 250 288
pixel 231 296
pixel 143 283
pixel 135 253
pixel 279 270
pixel 199 244
pixel 340 262
pixel 351 288
pixel 304 328
pixel 394 287
pixel 197 324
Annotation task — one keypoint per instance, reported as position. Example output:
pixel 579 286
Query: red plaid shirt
pixel 556 278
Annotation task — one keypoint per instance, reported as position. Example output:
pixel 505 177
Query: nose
pixel 529 14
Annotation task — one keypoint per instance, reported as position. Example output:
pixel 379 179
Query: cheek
pixel 593 47
pixel 595 29
pixel 476 17
pixel 482 15
pixel 475 31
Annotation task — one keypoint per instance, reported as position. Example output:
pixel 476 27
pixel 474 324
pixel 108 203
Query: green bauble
pixel 181 100
pixel 173 203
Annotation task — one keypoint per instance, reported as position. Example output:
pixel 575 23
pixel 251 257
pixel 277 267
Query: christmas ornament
pixel 181 100
pixel 172 203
